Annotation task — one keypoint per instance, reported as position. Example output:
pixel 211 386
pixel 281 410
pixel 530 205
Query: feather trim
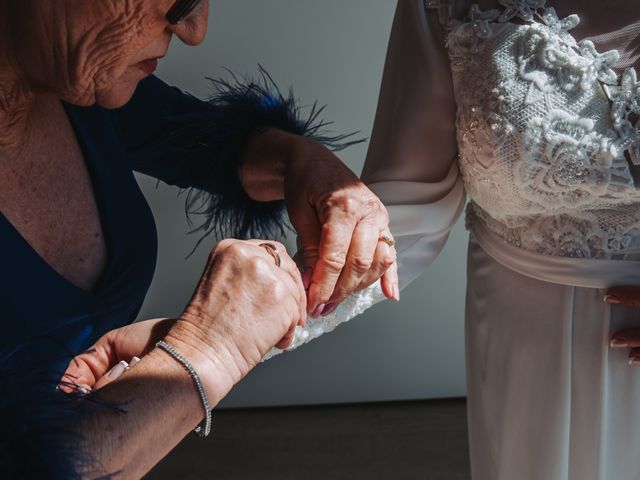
pixel 39 431
pixel 241 108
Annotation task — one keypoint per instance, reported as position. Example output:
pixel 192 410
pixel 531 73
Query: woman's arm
pixel 249 154
pixel 155 405
pixel 243 306
pixel 411 164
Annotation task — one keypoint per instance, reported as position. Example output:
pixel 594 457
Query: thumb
pixel 308 246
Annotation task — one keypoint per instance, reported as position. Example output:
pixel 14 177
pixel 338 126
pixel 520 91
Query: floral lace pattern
pixel 546 132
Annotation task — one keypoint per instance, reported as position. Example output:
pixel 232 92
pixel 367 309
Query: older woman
pixel 79 241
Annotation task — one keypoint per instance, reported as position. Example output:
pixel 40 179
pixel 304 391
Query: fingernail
pixel 619 343
pixel 318 310
pixel 306 278
pixel 634 361
pixel 611 299
pixel 329 309
pixel 118 370
pixel 83 390
pixel 396 293
pixel 133 361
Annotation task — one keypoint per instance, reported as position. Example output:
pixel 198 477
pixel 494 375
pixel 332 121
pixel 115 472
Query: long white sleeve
pixel 411 160
pixel 411 164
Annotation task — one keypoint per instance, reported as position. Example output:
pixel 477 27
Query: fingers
pixel 390 283
pixel 87 368
pixel 359 262
pixel 634 357
pixel 335 240
pixel 289 268
pixel 85 387
pixel 627 296
pixel 627 338
pixel 384 267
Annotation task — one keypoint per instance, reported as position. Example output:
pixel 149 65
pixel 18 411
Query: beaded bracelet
pixel 202 432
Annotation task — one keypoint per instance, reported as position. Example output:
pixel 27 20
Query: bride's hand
pixel 630 337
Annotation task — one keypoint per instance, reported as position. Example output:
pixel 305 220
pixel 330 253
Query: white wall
pixel 333 51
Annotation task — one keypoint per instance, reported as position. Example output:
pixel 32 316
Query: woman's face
pixel 96 51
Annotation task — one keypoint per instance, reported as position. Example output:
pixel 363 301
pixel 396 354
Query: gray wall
pixel 333 51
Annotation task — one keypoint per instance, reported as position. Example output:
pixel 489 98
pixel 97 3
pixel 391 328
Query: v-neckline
pixel 102 210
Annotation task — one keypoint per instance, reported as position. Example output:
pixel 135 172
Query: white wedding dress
pixel 533 115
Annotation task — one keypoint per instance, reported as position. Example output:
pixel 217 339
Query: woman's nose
pixel 193 29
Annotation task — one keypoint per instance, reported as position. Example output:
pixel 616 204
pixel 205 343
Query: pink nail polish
pixel 318 310
pixel 329 309
pixel 618 343
pixel 396 293
pixel 118 370
pixel 611 299
pixel 133 361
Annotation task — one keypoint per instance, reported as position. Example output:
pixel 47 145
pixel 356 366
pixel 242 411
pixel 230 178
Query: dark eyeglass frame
pixel 181 10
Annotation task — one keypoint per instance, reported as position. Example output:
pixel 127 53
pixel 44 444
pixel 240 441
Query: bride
pixel 531 109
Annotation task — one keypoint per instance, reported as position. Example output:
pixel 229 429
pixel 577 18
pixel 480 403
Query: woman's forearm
pixel 266 160
pixel 159 405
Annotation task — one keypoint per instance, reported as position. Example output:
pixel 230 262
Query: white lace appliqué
pixel 546 131
pixel 354 305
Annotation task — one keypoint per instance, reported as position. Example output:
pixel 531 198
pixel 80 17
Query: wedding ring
pixel 388 240
pixel 273 250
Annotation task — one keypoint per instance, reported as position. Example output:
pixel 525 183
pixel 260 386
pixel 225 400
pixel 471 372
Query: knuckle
pixel 259 267
pixel 334 262
pixel 387 261
pixel 347 204
pixel 236 249
pixel 361 265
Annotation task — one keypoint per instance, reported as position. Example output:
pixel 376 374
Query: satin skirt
pixel 548 399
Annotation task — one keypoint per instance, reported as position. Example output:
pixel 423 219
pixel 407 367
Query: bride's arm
pixel 411 164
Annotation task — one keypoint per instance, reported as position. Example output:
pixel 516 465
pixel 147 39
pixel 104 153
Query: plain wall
pixel 332 51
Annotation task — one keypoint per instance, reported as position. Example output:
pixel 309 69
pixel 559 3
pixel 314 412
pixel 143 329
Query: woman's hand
pixel 243 306
pixel 105 361
pixel 338 219
pixel 628 338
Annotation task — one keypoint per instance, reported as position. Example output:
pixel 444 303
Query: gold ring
pixel 273 250
pixel 388 240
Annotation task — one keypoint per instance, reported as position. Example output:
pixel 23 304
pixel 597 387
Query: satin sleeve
pixel 411 164
pixel 412 159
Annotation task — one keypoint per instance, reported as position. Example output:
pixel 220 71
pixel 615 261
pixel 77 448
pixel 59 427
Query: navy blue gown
pixel 161 132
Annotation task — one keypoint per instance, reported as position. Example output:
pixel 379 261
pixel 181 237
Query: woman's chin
pixel 118 96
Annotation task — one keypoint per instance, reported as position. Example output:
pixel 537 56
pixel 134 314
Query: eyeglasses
pixel 181 10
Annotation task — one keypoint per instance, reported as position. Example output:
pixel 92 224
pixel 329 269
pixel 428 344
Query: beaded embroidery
pixel 546 130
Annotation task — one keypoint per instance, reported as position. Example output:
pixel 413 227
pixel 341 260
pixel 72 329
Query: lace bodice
pixel 548 133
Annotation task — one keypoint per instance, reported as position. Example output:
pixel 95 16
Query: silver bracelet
pixel 200 430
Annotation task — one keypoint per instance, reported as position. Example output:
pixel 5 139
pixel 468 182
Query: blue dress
pixel 161 132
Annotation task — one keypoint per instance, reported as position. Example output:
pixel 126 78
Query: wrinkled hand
pixel 339 222
pixel 628 338
pixel 243 306
pixel 105 361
